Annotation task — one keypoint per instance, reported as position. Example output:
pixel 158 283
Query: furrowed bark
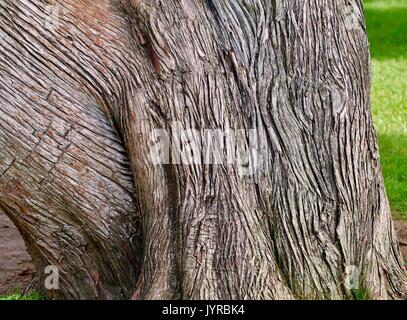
pixel 79 104
pixel 65 178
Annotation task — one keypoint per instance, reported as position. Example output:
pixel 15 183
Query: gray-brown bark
pixel 78 103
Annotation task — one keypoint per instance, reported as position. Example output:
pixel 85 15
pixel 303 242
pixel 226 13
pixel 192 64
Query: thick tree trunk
pixel 81 95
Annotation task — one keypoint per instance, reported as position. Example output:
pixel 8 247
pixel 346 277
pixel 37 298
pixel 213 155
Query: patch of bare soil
pixel 16 269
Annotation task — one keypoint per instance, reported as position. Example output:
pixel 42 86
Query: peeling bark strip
pixel 81 94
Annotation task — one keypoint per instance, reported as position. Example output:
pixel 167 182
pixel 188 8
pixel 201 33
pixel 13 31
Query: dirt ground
pixel 16 269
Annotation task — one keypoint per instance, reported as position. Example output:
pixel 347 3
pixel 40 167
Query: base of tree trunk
pixel 304 216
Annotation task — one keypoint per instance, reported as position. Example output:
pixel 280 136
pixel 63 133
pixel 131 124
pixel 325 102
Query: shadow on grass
pixel 387 31
pixel 394 165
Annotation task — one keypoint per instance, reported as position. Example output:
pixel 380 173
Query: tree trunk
pixel 85 84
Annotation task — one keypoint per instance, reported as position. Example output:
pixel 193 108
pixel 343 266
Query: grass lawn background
pixel 19 296
pixel 387 30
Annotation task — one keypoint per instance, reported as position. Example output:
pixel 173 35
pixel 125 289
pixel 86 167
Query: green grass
pixel 387 30
pixel 360 294
pixel 19 296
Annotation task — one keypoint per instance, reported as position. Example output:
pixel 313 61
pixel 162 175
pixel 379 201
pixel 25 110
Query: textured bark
pixel 78 103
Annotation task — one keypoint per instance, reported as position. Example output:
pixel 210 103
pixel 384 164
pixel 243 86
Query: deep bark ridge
pixel 79 99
